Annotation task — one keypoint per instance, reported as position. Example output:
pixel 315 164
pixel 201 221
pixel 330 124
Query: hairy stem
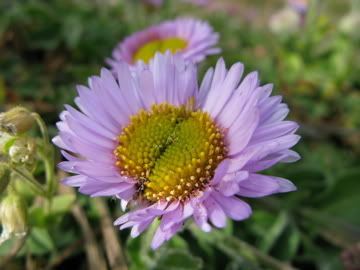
pixel 47 156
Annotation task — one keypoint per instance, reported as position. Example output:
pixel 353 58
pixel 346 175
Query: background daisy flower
pixel 191 38
pixel 152 137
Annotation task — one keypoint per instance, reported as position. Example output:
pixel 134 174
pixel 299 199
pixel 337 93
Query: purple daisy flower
pixel 172 150
pixel 192 39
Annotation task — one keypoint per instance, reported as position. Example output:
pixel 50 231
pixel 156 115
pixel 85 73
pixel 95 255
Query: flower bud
pixel 4 177
pixel 16 121
pixel 13 217
pixel 23 151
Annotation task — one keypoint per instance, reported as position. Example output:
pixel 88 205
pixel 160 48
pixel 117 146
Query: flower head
pixel 192 39
pixel 150 136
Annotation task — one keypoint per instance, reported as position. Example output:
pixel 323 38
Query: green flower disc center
pixel 148 51
pixel 171 151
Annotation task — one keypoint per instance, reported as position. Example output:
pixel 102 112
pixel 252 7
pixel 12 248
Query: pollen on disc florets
pixel 172 151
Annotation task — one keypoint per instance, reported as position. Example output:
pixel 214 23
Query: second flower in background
pixel 192 39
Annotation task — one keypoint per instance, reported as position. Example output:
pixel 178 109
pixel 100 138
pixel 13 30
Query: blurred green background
pixel 47 47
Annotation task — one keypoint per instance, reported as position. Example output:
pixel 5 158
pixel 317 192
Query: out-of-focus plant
pixel 319 60
pixel 314 63
pixel 316 66
pixel 50 45
pixel 285 22
pixel 13 216
pixel 24 188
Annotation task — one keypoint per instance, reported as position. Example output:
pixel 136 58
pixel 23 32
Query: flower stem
pixel 42 126
pixel 35 184
pixel 47 156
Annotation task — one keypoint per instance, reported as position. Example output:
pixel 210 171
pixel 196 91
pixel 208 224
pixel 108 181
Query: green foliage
pixel 57 44
pixel 40 242
pixel 177 259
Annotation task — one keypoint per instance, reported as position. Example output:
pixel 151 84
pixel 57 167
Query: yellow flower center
pixel 171 151
pixel 147 51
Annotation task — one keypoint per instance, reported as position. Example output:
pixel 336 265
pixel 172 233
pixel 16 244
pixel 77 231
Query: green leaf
pixel 134 246
pixel 177 242
pixel 139 249
pixel 229 245
pixel 203 239
pixel 236 265
pixel 288 244
pixel 37 217
pixel 177 259
pixel 260 222
pixel 344 200
pixel 39 241
pixel 6 246
pixel 336 230
pixel 61 204
pixel 273 233
pixel 72 30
